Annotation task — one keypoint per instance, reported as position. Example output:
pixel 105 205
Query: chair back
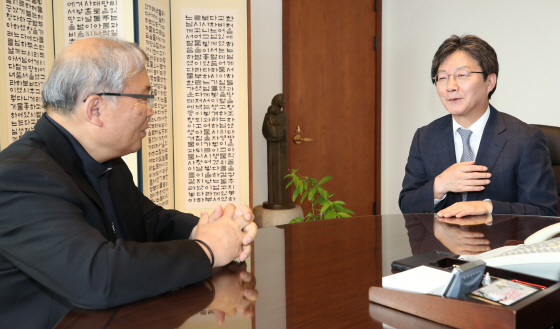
pixel 553 142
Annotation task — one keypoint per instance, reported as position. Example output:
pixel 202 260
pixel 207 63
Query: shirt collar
pixel 89 164
pixel 478 127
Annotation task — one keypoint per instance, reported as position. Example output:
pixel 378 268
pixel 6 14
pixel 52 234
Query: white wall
pixel 266 76
pixel 266 62
pixel 525 36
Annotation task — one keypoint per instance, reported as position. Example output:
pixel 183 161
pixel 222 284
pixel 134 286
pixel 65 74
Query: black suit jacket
pixel 515 153
pixel 56 249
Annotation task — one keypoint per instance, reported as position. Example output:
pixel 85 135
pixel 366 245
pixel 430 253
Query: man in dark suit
pixel 74 229
pixel 475 160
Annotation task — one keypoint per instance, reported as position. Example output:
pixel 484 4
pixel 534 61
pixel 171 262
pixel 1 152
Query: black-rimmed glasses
pixel 460 76
pixel 150 98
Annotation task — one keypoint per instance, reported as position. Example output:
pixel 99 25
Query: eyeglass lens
pixel 460 75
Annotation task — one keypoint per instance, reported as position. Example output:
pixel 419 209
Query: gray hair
pixel 106 68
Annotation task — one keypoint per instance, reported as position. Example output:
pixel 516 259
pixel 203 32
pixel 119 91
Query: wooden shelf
pixel 535 311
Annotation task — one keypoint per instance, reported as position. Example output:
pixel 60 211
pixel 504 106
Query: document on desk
pixel 421 279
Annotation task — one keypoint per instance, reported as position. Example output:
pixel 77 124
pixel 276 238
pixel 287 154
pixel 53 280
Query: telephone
pixel 465 279
pixel 538 256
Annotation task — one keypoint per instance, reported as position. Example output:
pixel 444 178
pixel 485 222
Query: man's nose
pixel 451 83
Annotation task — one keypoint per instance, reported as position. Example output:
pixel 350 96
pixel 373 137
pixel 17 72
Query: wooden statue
pixel 274 130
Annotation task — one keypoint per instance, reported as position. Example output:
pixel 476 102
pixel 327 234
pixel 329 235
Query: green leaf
pixel 323 193
pixel 316 200
pixel 325 207
pixel 325 179
pixel 339 208
pixel 303 196
pixel 343 214
pixel 297 180
pixel 298 189
pixel 338 202
pixel 290 183
pixel 314 181
pixel 305 184
pixel 296 220
pixel 294 196
pixel 330 214
pixel 312 193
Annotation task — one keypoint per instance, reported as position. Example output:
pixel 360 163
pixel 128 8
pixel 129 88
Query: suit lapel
pixel 446 151
pixel 491 144
pixel 445 143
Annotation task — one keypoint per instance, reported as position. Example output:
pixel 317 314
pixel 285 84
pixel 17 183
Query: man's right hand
pixel 461 177
pixel 225 235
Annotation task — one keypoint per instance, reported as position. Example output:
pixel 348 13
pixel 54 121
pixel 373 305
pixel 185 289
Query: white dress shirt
pixel 477 129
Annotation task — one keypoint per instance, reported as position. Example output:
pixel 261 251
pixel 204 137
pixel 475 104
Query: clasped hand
pixel 234 292
pixel 229 233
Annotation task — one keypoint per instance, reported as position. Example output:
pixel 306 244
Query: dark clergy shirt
pixel 98 175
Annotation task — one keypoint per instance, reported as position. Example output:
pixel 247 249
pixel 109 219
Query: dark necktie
pixel 467 151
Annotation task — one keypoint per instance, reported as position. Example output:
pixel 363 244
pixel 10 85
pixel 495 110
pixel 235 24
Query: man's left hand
pixel 466 208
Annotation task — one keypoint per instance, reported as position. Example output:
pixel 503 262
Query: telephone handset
pixel 538 256
pixel 543 234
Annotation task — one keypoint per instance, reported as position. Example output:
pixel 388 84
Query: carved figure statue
pixel 274 130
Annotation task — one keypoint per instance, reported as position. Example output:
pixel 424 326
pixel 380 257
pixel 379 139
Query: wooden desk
pixel 310 275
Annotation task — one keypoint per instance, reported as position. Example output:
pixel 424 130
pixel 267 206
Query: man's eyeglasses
pixel 150 98
pixel 460 76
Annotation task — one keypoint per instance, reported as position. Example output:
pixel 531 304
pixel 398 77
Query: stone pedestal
pixel 267 217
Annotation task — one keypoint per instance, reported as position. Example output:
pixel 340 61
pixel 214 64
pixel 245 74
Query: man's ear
pixel 92 110
pixel 491 81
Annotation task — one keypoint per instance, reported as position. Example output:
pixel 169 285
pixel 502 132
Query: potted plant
pixel 313 192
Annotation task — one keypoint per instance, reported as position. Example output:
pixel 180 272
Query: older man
pixel 475 160
pixel 74 229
